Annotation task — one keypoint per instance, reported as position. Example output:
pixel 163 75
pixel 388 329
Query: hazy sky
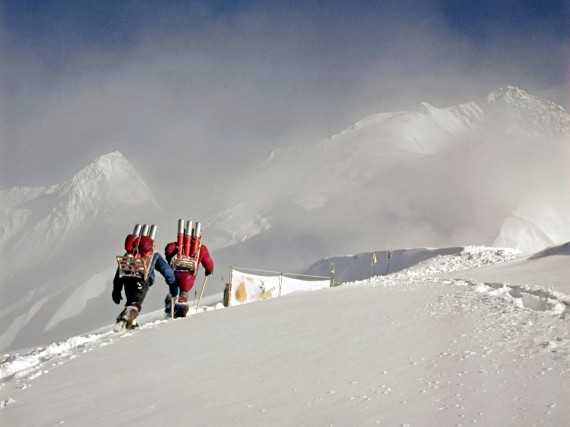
pixel 206 85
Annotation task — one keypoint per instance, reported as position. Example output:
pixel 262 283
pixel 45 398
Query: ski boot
pixel 127 319
pixel 131 315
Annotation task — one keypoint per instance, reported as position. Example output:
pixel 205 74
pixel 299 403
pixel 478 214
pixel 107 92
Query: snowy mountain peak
pixel 519 109
pixel 425 108
pixel 111 178
pixel 103 191
pixel 109 161
pixel 508 94
pixel 103 168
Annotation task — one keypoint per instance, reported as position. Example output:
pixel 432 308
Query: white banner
pixel 247 287
pixel 290 284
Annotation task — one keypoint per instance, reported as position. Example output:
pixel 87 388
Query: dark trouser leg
pixel 135 293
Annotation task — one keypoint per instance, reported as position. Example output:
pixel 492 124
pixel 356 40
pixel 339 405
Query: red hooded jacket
pixel 184 279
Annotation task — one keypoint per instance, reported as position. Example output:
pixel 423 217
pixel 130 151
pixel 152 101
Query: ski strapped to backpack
pixel 139 247
pixel 189 242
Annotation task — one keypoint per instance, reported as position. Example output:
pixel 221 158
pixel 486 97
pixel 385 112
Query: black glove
pixel 208 272
pixel 116 295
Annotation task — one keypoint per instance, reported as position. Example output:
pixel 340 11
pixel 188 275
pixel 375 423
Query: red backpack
pixel 189 243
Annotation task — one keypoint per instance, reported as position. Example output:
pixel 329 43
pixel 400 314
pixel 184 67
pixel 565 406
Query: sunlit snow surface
pixel 35 362
pixel 417 347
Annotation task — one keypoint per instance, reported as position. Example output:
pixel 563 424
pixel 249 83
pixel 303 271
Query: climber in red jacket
pixel 186 263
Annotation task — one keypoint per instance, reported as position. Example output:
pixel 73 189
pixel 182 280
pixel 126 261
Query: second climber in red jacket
pixel 185 279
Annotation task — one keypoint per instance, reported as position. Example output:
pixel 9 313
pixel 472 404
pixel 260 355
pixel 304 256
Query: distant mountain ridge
pixel 432 177
pixel 430 129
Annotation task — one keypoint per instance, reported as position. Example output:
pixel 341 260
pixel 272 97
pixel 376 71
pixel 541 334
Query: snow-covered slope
pixel 546 271
pixel 411 348
pixel 541 218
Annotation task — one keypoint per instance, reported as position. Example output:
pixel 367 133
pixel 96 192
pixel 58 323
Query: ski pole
pixel 171 307
pixel 200 299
